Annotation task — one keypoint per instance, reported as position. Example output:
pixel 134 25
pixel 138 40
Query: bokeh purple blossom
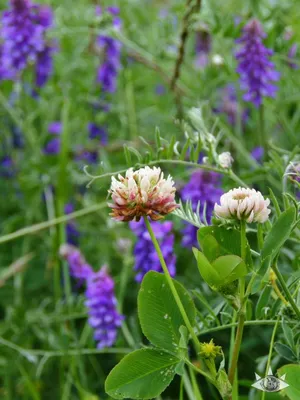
pixel 146 258
pixel 257 72
pixel 101 302
pixel 111 56
pixel 23 32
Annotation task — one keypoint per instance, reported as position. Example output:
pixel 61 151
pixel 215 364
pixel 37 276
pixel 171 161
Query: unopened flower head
pixel 243 204
pixel 210 350
pixel 144 192
pixel 225 160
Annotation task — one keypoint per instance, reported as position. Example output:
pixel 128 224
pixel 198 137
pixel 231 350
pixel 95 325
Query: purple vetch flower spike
pixel 108 71
pixel 203 187
pixel 23 34
pixel 146 258
pixel 79 268
pixel 257 72
pixel 101 302
pixel 111 50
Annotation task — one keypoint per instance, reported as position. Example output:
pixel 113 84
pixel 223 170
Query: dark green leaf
pixel 143 374
pixel 263 301
pixel 284 351
pixel 229 241
pixel 208 273
pixel 159 315
pixel 278 234
pixel 288 334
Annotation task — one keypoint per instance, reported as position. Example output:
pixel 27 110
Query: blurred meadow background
pixel 96 79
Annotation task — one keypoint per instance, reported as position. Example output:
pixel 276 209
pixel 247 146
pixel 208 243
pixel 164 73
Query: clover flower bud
pixel 243 204
pixel 225 160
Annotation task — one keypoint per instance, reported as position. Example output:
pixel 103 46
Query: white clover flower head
pixel 225 160
pixel 243 204
pixel 144 192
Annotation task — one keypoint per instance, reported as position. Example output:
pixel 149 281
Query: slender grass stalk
pixel 241 313
pixel 30 230
pixel 286 290
pixel 172 286
pixel 270 352
pixel 61 196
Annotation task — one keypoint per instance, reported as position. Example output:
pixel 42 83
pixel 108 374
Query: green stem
pixel 30 230
pixel 229 173
pixel 172 286
pixel 247 323
pixel 262 131
pixel 196 390
pixel 286 290
pixel 61 196
pixel 270 352
pixel 241 314
pixel 200 371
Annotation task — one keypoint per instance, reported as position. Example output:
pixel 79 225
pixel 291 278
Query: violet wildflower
pixel 23 34
pixel 203 187
pixel 87 156
pixel 257 153
pixel 101 302
pixel 55 128
pixel 160 90
pixel 53 145
pixel 79 268
pixel 97 132
pixel 111 50
pixel 256 70
pixel 202 48
pixel 7 168
pixel 146 258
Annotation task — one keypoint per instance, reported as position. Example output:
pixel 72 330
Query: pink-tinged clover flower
pixel 243 204
pixel 144 192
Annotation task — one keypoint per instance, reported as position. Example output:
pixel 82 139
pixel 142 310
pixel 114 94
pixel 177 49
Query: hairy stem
pixel 172 286
pixel 241 314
